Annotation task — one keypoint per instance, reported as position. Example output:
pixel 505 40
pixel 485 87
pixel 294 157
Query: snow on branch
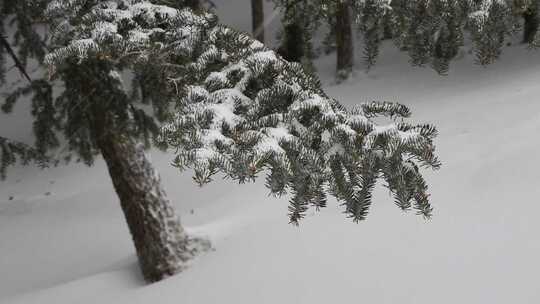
pixel 242 110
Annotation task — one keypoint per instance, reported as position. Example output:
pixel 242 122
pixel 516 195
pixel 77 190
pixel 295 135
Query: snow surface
pixel 63 238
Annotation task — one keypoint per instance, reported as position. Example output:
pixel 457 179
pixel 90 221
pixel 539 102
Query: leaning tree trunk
pixel 257 16
pixel 161 244
pixel 344 39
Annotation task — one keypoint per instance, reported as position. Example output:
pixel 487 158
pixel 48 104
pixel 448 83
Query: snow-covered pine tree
pixel 254 112
pixel 371 16
pixel 433 31
pixel 239 109
pixel 430 31
pixel 300 20
pixel 490 23
pixel 94 112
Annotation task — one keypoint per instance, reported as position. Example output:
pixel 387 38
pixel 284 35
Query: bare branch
pixel 18 64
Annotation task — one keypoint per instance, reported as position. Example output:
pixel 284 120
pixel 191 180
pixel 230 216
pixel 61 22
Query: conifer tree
pixel 344 39
pixel 224 101
pixel 433 31
pixel 257 16
pixel 300 20
pixel 531 19
pixel 371 15
pixel 294 37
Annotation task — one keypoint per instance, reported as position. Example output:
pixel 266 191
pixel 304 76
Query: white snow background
pixel 63 238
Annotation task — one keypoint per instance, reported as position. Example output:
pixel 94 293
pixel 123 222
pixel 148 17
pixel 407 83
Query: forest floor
pixel 63 238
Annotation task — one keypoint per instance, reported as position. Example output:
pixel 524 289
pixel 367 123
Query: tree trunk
pixel 194 4
pixel 531 23
pixel 257 15
pixel 161 244
pixel 388 33
pixel 293 47
pixel 344 40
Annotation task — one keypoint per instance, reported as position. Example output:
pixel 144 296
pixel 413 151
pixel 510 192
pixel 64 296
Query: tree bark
pixel 344 39
pixel 257 16
pixel 293 47
pixel 162 246
pixel 531 23
pixel 387 30
pixel 194 4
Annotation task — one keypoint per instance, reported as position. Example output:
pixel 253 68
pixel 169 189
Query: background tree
pixel 370 17
pixel 344 39
pixel 300 20
pixel 432 32
pixel 257 15
pixel 193 4
pixel 531 19
pixel 294 37
pixel 239 109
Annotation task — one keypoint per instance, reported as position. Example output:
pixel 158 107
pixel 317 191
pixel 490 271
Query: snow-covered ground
pixel 63 238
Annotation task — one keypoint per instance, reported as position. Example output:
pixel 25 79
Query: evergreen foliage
pixel 239 108
pixel 300 20
pixel 12 152
pixel 24 17
pixel 433 31
pixel 250 111
pixel 371 20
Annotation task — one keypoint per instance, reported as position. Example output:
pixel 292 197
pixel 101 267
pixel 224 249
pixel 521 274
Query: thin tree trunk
pixel 161 243
pixel 257 15
pixel 344 39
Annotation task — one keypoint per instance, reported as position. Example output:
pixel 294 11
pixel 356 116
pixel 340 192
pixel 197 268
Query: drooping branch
pixel 12 151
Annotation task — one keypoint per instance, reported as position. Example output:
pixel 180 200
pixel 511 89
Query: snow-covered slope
pixel 63 238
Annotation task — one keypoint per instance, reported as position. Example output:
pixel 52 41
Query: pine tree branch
pixel 18 64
